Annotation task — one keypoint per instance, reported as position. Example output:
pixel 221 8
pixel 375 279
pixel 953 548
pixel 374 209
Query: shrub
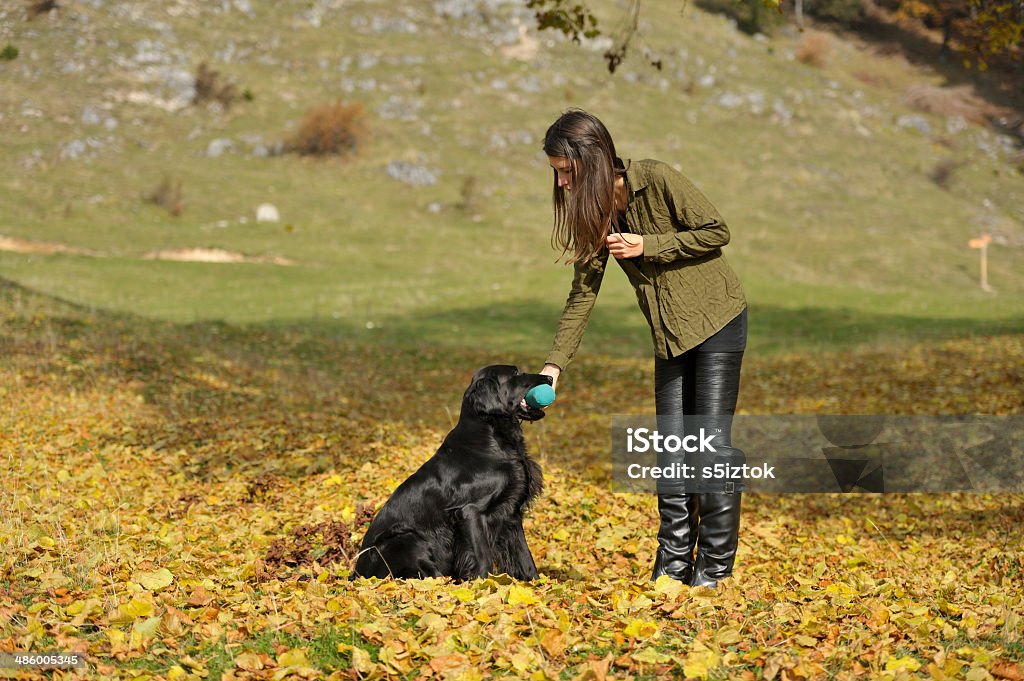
pixel 210 87
pixel 167 195
pixel 752 16
pixel 469 199
pixel 37 7
pixel 1017 160
pixel 843 12
pixel 329 129
pixel 813 49
pixel 949 101
pixel 942 173
pixel 9 53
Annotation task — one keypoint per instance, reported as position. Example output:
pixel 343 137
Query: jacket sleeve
pixel 699 229
pixel 586 283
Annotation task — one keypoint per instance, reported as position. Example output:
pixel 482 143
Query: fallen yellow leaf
pixel 295 657
pixel 154 581
pixel 641 629
pixel 520 595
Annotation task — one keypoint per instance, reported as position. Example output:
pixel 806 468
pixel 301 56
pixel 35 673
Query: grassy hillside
pixel 840 235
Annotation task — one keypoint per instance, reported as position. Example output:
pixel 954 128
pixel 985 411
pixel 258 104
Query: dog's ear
pixel 485 397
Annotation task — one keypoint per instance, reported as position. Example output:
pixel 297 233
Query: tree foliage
pixel 984 31
pixel 575 20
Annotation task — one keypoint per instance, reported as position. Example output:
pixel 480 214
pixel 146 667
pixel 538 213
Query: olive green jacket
pixel 684 286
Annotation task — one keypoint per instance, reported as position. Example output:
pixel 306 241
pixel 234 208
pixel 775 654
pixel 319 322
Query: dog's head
pixel 500 390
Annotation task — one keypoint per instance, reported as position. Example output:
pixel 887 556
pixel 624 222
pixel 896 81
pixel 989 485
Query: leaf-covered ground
pixel 182 502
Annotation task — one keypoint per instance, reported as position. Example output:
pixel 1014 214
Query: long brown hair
pixel 583 216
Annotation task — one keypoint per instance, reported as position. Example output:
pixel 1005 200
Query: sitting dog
pixel 461 514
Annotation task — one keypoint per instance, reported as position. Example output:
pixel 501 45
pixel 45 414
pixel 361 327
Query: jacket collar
pixel 633 176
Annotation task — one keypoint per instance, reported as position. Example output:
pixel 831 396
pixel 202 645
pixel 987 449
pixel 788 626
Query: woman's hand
pixel 552 371
pixel 625 245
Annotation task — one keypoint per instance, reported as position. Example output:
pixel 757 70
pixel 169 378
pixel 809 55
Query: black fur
pixel 461 514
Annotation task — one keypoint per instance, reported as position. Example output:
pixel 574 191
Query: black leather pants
pixel 706 384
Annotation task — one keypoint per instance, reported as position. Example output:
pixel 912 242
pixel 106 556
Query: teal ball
pixel 540 396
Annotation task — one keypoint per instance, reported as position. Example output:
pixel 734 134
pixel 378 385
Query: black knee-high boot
pixel 717 376
pixel 677 536
pixel 677 512
pixel 717 538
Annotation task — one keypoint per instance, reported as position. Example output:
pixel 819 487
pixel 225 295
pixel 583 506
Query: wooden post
pixel 981 243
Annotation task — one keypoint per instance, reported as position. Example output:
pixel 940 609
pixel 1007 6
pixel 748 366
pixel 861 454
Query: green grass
pixel 839 236
pixel 217 657
pixel 507 321
pixel 322 650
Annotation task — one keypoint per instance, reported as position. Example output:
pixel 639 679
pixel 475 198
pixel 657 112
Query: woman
pixel 667 238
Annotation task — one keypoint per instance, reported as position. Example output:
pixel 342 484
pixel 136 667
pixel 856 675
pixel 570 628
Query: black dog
pixel 461 514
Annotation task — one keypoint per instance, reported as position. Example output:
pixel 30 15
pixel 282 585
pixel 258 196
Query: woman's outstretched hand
pixel 552 371
pixel 625 246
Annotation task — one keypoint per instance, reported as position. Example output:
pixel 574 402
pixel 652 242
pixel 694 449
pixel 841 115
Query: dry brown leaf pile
pixel 183 503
